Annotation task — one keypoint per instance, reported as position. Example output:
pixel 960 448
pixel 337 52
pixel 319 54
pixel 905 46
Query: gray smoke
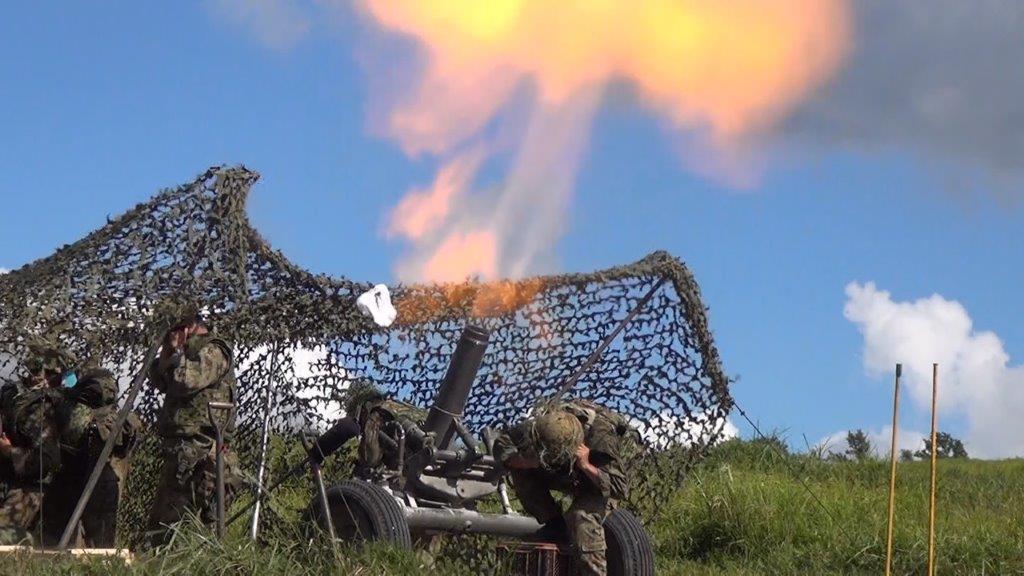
pixel 943 79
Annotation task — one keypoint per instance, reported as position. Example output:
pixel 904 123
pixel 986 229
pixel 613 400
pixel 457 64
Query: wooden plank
pixel 123 554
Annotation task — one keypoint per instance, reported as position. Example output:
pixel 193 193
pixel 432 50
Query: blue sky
pixel 101 107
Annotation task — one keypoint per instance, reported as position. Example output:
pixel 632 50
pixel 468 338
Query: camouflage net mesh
pixel 302 334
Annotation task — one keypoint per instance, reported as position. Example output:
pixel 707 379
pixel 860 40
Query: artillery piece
pixel 434 476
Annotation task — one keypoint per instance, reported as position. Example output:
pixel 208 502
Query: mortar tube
pixel 454 390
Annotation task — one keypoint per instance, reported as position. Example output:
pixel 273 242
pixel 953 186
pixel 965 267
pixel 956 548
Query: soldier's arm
pixel 508 450
pixel 210 367
pixel 608 473
pixel 158 370
pixel 41 459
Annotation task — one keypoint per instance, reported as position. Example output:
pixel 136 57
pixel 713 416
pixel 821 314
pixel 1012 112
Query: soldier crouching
pixel 573 447
pixel 194 368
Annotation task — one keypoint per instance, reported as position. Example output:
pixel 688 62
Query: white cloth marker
pixel 376 303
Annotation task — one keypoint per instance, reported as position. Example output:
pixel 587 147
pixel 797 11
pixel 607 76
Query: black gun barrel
pixel 454 389
pixel 334 438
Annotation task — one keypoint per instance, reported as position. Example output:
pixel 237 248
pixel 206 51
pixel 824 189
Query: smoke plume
pixel 514 85
pixel 938 81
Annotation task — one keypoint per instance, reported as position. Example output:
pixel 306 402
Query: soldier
pixel 371 410
pixel 574 447
pixel 195 367
pixel 29 445
pixel 87 419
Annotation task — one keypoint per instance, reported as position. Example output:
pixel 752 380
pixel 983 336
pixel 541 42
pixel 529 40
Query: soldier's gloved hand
pixel 428 441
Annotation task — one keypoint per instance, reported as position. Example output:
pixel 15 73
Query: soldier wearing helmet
pixel 194 367
pixel 30 442
pixel 87 418
pixel 373 411
pixel 574 447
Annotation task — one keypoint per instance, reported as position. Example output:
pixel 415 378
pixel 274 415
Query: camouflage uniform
pixel 30 423
pixel 372 410
pixel 203 373
pixel 87 420
pixel 605 433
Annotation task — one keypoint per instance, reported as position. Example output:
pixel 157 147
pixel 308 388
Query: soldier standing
pixel 30 443
pixel 194 367
pixel 87 418
pixel 574 447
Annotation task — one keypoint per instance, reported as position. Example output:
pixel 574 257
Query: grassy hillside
pixel 743 512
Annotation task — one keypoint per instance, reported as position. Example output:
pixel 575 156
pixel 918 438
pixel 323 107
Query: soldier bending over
pixel 574 447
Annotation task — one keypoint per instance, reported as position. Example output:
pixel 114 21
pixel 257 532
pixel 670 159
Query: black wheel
pixel 362 512
pixel 630 552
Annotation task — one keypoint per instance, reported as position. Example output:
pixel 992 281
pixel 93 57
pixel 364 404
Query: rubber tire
pixel 630 552
pixel 378 516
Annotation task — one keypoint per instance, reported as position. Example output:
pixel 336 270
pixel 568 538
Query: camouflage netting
pixel 302 333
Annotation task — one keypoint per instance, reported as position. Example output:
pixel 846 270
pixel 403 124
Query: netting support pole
pixel 264 441
pixel 593 358
pixel 892 474
pixel 115 432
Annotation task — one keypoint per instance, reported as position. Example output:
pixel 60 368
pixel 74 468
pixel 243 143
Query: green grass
pixel 743 511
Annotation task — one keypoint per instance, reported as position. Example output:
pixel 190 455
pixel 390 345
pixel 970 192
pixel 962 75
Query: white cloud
pixel 881 440
pixel 975 378
pixel 4 270
pixel 279 24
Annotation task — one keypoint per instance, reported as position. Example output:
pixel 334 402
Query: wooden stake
pixel 892 476
pixel 931 510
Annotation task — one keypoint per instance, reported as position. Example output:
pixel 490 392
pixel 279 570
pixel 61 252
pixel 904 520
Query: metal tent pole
pixel 264 441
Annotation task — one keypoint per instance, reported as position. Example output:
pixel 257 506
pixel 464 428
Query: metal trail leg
pixel 318 479
pixel 321 490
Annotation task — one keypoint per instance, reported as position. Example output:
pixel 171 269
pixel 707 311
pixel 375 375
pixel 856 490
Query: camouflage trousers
pixel 584 518
pixel 98 526
pixel 20 514
pixel 188 484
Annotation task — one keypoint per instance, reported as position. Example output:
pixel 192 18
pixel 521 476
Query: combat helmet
pixel 96 387
pixel 176 311
pixel 360 397
pixel 556 435
pixel 45 354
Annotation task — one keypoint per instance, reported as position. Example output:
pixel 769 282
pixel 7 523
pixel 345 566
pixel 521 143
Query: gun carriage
pixel 433 477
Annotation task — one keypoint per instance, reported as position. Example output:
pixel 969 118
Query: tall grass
pixel 743 511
